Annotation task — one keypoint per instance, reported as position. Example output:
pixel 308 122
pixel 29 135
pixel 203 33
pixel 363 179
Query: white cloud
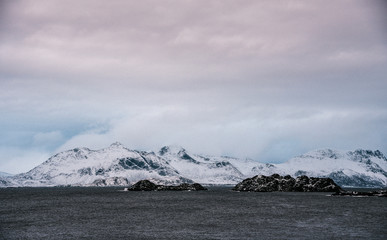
pixel 263 138
pixel 47 138
pixel 18 160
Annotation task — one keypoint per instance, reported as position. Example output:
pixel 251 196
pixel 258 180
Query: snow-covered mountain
pixel 117 165
pixel 201 169
pixel 3 179
pixel 361 168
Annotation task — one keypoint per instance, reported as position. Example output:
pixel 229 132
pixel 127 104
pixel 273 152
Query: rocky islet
pixel 276 182
pixel 146 185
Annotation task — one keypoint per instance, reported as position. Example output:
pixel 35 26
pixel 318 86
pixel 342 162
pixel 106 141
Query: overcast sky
pixel 266 80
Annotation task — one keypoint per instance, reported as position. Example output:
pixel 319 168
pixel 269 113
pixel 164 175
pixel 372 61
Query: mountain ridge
pixel 118 165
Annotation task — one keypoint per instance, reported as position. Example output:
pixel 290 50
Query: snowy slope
pixel 115 165
pixel 5 179
pixel 201 169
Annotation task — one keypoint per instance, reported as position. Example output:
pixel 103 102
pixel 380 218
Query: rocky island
pixel 275 182
pixel 146 185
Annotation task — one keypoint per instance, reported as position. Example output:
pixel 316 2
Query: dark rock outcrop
pixel 382 193
pixel 146 185
pixel 143 185
pixel 275 182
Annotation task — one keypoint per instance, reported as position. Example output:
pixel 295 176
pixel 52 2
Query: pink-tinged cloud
pixel 259 79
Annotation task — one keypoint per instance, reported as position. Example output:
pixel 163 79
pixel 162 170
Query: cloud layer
pixel 259 79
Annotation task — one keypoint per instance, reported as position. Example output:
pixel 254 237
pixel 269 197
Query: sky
pixel 265 80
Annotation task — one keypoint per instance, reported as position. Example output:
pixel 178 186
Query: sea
pixel 219 213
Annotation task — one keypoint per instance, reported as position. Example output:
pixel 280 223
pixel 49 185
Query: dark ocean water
pixel 107 213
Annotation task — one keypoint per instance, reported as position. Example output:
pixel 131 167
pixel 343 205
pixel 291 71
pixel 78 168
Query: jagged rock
pixel 146 185
pixel 143 185
pixel 382 193
pixel 275 182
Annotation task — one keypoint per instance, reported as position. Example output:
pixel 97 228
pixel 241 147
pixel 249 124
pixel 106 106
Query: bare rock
pixel 275 182
pixel 146 185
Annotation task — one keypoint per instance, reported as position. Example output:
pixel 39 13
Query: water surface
pixel 107 213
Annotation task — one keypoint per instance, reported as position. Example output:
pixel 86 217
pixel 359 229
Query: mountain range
pixel 117 165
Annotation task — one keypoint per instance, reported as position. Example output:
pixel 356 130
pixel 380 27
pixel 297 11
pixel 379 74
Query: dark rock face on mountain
pixel 146 185
pixel 3 182
pixel 382 193
pixel 275 182
pixel 114 181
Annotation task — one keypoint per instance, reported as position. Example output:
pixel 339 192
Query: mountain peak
pixel 116 145
pixel 171 149
pixel 323 153
pixel 369 153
